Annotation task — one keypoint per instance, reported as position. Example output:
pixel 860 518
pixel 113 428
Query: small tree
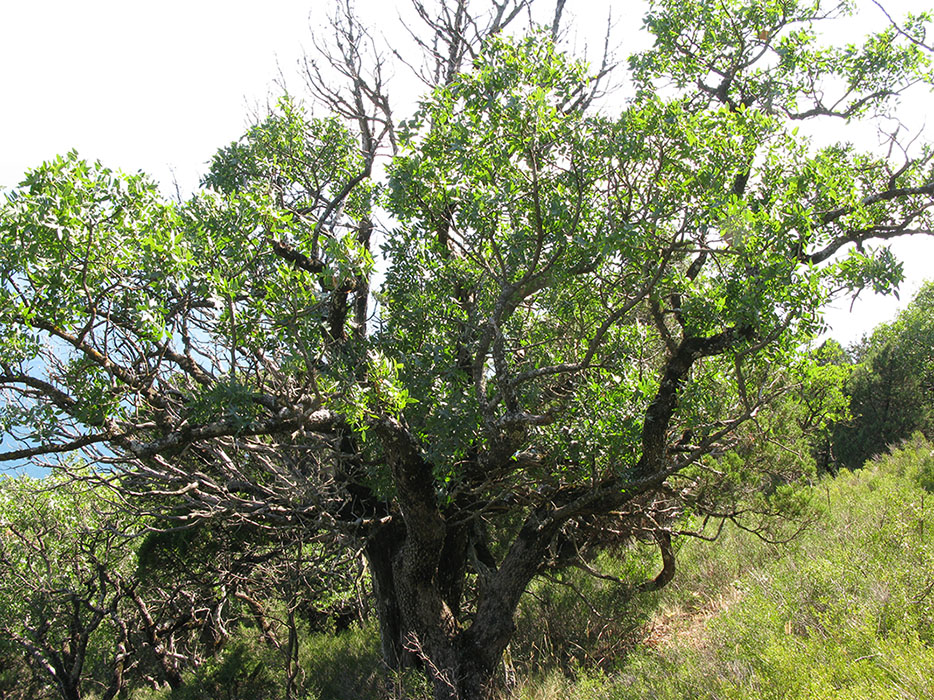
pixel 63 570
pixel 581 312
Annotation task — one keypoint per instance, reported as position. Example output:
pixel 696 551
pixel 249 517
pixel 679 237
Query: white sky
pixel 159 86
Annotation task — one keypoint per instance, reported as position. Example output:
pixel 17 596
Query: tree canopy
pixel 487 340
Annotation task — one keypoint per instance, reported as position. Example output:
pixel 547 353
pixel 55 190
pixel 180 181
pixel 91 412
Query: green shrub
pixel 345 666
pixel 243 671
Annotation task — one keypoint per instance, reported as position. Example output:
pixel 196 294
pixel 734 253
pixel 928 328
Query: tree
pixel 891 391
pixel 64 564
pixel 580 314
pixel 199 589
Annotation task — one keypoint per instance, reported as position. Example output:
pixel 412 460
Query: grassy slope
pixel 845 612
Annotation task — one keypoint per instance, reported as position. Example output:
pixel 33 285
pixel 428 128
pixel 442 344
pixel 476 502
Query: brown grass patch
pixel 685 625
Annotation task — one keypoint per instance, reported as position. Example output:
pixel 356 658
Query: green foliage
pixel 693 36
pixel 524 222
pixel 99 273
pixel 65 558
pixel 891 391
pixel 493 177
pixel 844 612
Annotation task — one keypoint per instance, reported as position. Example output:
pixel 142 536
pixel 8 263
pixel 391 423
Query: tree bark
pixel 382 548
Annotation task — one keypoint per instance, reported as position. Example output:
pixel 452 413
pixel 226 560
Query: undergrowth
pixel 843 612
pixel 846 611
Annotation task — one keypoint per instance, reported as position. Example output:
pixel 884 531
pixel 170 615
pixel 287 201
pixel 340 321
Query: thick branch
pixel 835 214
pixel 659 413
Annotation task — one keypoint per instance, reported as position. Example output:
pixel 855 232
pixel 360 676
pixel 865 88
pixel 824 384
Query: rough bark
pixel 381 549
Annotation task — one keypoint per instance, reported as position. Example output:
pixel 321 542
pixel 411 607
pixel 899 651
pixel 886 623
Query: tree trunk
pixel 381 549
pixel 476 671
pixel 68 685
pixel 459 668
pixel 69 690
pixel 427 566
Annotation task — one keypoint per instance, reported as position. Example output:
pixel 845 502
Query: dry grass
pixel 685 625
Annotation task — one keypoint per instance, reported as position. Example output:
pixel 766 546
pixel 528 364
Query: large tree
pixel 572 315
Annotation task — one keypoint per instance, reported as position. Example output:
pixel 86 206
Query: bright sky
pixel 160 86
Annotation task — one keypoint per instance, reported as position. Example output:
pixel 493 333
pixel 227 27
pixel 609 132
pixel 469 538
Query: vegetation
pixel 891 393
pixel 587 331
pixel 65 571
pixel 845 611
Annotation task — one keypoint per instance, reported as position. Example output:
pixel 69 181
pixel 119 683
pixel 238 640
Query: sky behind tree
pixel 159 87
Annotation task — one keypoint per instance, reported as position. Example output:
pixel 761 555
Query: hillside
pixel 845 611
